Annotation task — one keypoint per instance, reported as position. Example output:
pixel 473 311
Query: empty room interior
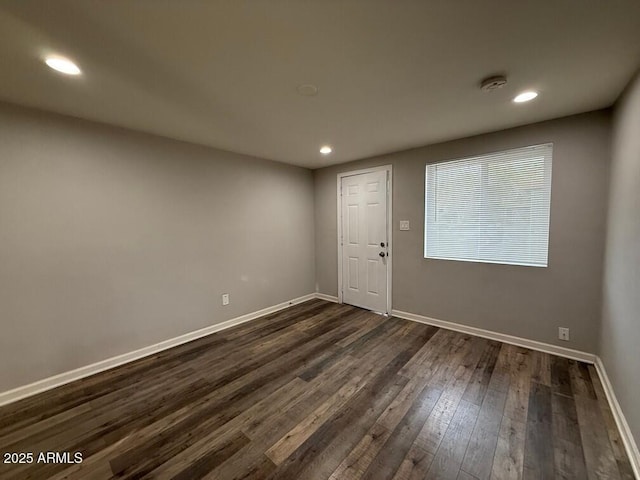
pixel 320 239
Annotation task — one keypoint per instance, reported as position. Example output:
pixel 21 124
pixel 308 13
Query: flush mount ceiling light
pixel 62 65
pixel 326 150
pixel 525 96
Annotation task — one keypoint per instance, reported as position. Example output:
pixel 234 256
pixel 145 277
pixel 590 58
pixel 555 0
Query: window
pixel 491 208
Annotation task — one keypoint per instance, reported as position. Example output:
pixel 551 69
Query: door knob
pixel 381 254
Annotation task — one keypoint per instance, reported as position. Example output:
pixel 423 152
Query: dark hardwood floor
pixel 326 391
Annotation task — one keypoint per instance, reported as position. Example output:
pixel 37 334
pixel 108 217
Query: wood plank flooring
pixel 325 391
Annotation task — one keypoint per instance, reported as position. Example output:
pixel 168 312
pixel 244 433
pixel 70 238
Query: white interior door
pixel 364 242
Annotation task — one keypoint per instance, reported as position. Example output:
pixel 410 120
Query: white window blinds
pixel 490 208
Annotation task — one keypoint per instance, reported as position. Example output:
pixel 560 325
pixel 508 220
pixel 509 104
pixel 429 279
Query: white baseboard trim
pixel 630 444
pixel 501 337
pixel 82 372
pixel 328 298
pixel 623 427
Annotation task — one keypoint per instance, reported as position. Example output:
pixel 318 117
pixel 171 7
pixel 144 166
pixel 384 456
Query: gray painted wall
pixel 620 337
pixel 112 240
pixel 527 302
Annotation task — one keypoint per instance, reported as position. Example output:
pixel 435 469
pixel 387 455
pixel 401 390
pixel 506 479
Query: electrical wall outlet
pixel 563 333
pixel 225 299
pixel 404 224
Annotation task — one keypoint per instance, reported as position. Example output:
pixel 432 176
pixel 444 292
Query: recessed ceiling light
pixel 326 150
pixel 62 65
pixel 525 96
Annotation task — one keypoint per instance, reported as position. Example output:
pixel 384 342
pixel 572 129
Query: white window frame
pixel 473 157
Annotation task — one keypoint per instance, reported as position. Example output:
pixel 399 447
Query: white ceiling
pixel 391 74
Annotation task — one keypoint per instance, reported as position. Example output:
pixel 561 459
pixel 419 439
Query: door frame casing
pixel 340 176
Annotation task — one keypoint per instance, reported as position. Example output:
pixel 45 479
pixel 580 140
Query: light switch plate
pixel 404 224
